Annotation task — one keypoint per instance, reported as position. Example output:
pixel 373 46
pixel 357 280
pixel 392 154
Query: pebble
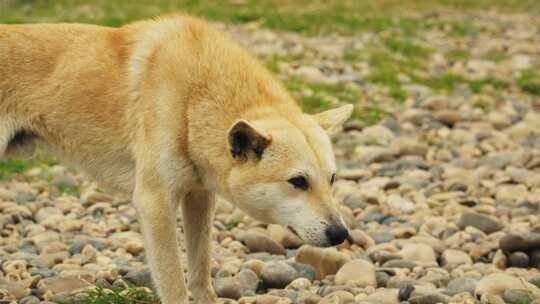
pixel 452 258
pixel 519 242
pixel 243 284
pixel 430 299
pixel 284 236
pixel 460 285
pixel 57 285
pixel 29 300
pixel 498 283
pixel 258 242
pixel 418 253
pixel 512 296
pixel 358 273
pixel 278 274
pixel 140 277
pixel 384 296
pixel 485 223
pixel 518 259
pixel 325 261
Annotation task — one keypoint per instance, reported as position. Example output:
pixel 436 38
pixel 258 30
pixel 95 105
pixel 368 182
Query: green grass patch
pixel 369 115
pixel 131 295
pixel 15 166
pixel 307 16
pixel 495 55
pixel 477 85
pixel 462 29
pixel 386 67
pixel 9 167
pixel 529 82
pixel 407 48
pixel 325 96
pixel 444 82
pixel 458 54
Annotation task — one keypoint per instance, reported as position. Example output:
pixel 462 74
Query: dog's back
pixel 65 85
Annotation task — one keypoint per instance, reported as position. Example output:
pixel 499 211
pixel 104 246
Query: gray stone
pixel 229 288
pixel 23 197
pixel 249 280
pixel 518 259
pixel 354 201
pixel 102 283
pixel 120 284
pixel 243 284
pixel 64 181
pixel 258 242
pixel 460 285
pixel 278 274
pixel 29 300
pixel 77 246
pixel 140 277
pixel 480 221
pixel 434 298
pixel 382 278
pixel 405 292
pixel 520 242
pixel 304 270
pixel 399 264
pixel 512 296
pixel 381 236
pixel 43 272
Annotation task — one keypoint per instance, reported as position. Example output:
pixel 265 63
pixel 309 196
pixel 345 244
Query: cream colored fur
pixel 146 109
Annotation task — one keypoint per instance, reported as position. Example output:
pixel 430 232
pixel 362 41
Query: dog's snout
pixel 336 234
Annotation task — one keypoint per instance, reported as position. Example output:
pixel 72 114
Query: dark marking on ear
pixel 245 140
pixel 239 144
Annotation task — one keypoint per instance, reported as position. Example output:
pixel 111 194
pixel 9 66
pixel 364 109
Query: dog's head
pixel 283 173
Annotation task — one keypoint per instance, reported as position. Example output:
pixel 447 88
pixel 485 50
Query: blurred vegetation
pixel 307 16
pixel 391 58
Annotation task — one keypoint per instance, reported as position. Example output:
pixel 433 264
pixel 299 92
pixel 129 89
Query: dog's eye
pixel 333 179
pixel 299 182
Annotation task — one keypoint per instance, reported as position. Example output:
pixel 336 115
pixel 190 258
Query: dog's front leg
pixel 197 213
pixel 157 215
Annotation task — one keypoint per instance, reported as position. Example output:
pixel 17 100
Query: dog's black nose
pixel 336 234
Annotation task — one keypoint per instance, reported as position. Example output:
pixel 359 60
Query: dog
pixel 172 112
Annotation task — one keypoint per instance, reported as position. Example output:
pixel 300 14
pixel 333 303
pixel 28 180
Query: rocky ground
pixel 439 181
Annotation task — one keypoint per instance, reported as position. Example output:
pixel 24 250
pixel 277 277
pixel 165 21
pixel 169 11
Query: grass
pixel 407 48
pixel 9 167
pixel 458 54
pixel 15 166
pixel 307 16
pixel 131 295
pixel 529 82
pixel 495 55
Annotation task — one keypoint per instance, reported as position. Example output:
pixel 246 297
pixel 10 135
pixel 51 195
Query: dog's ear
pixel 245 141
pixel 330 119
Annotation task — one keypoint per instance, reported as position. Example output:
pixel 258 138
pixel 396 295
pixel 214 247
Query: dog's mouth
pixel 294 231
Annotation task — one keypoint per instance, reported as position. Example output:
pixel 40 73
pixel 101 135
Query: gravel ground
pixel 441 193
